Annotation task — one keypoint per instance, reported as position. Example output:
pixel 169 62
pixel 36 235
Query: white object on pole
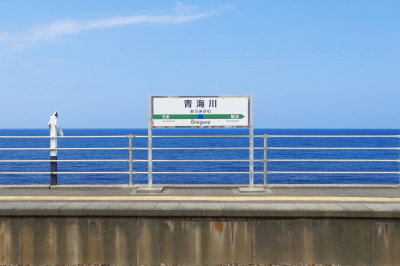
pixel 53 121
pixel 54 127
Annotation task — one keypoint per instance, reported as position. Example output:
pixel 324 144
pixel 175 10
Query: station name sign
pixel 200 111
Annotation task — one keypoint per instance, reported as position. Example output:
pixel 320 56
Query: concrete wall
pixel 198 241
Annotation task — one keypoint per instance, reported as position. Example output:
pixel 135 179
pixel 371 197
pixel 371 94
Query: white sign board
pixel 200 111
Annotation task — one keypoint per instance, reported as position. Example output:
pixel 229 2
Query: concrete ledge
pixel 50 209
pixel 6 209
pixel 88 187
pixel 319 186
pixel 96 209
pixel 120 209
pixel 47 187
pixel 190 209
pixel 27 209
pixel 197 186
pixel 149 190
pixel 143 209
pixel 197 210
pixel 251 190
pixel 334 186
pixel 73 209
pixel 213 210
pixel 166 209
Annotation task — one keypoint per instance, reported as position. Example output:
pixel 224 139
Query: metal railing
pixel 264 160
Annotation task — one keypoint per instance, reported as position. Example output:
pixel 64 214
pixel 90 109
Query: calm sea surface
pixel 203 155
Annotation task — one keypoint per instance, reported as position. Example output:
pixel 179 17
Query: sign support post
pixel 251 188
pixel 150 142
pixel 200 112
pixel 251 142
pixel 150 188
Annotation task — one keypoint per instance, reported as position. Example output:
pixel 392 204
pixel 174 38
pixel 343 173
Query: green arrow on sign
pixel 200 116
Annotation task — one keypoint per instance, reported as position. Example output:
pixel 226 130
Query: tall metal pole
pixel 150 140
pixel 54 127
pixel 130 161
pixel 251 143
pixel 53 153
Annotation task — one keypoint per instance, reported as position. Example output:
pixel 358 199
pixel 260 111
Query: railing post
pixel 399 158
pixel 265 159
pixel 54 128
pixel 130 160
pixel 53 153
pixel 150 141
pixel 251 144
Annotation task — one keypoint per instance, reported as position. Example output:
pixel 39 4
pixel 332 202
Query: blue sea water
pixel 203 155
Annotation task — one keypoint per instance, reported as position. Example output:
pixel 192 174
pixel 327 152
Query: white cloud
pixel 17 46
pixel 182 8
pixel 68 27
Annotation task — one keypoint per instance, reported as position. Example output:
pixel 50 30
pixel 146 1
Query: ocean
pixel 203 155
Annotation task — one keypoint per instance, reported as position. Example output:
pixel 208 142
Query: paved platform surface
pixel 186 201
pixel 203 194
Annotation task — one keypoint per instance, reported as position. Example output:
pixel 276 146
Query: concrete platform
pixel 203 201
pixel 185 225
pixel 149 189
pixel 251 190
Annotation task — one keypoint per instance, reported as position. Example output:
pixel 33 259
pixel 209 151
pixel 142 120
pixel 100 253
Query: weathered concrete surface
pixel 385 242
pixel 193 241
pixel 10 240
pixel 74 241
pixel 198 241
pixel 294 241
pixel 106 226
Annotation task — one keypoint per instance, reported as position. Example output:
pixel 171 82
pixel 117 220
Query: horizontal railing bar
pixel 125 173
pixel 221 136
pixel 25 137
pixel 201 149
pixel 198 173
pixel 145 137
pixel 205 161
pixel 337 173
pixel 25 173
pixel 326 160
pixel 59 173
pixel 221 148
pixel 58 161
pixel 196 161
pixel 94 137
pixel 62 149
pixel 333 136
pixel 325 148
pixel 127 136
pixel 87 173
pixel 203 173
pixel 119 149
pixel 66 161
pixel 61 137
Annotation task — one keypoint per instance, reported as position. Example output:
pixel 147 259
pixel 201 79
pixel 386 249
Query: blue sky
pixel 309 64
